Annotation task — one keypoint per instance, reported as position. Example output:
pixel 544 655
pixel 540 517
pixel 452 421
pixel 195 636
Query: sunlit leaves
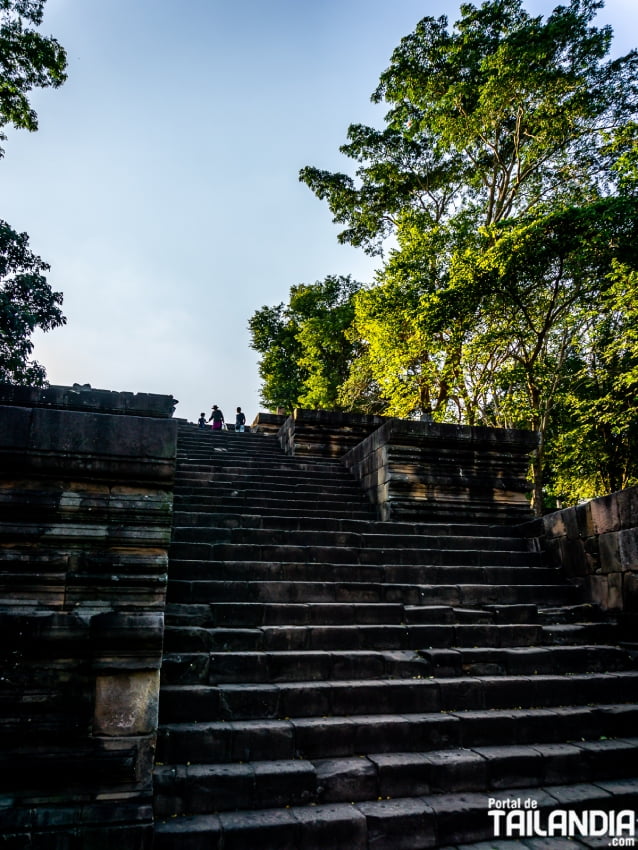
pixel 304 345
pixel 28 60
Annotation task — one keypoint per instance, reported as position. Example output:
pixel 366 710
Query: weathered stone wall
pixel 267 423
pixel 425 471
pixel 325 433
pixel 86 493
pixel 596 544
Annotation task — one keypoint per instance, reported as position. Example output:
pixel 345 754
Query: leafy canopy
pixel 28 60
pixel 305 352
pixel 506 177
pixel 26 302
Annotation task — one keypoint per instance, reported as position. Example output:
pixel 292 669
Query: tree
pixel 497 175
pixel 304 347
pixel 27 302
pixel 27 60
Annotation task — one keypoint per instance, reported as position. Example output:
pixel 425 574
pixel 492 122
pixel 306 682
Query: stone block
pixel 126 703
pixel 457 770
pixel 511 766
pixel 609 549
pixel 605 515
pixel 628 507
pixel 571 557
pixel 403 774
pixel 318 736
pixel 346 780
pixel 406 824
pixel 15 423
pixel 278 829
pixel 283 783
pixel 329 827
pixel 628 549
pixel 630 592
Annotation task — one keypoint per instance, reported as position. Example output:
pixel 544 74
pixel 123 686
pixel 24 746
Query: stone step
pixel 233 590
pixel 332 737
pixel 526 661
pixel 243 463
pixel 342 483
pixel 207 571
pixel 342 613
pixel 410 823
pixel 566 614
pixel 374 636
pixel 205 788
pixel 182 703
pixel 276 522
pixel 302 494
pixel 289 666
pixel 207 614
pixel 275 507
pixel 204 473
pixel 187 445
pixel 212 444
pixel 346 539
pixel 263 555
pixel 209 668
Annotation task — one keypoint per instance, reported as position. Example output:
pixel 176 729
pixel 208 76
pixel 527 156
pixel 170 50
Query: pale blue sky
pixel 162 186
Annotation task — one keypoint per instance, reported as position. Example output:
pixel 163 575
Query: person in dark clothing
pixel 240 420
pixel 218 418
pixel 202 420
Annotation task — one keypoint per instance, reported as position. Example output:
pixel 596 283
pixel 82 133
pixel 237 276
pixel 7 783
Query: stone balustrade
pixel 425 471
pixel 325 433
pixel 596 545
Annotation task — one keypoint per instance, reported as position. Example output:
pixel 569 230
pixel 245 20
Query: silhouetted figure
pixel 218 418
pixel 202 420
pixel 240 420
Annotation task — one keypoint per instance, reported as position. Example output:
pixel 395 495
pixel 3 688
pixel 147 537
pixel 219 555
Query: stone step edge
pixel 347 736
pixel 517 714
pixel 496 755
pixel 246 701
pixel 449 819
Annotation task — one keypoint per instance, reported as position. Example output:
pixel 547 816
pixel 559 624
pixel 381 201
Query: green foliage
pixel 27 60
pixel 26 302
pixel 305 352
pixel 506 175
pixel 595 446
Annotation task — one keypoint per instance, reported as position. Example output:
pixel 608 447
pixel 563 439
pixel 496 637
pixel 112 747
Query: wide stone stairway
pixel 332 681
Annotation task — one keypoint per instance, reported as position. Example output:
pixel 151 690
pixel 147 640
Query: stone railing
pixel 86 491
pixel 430 472
pixel 325 433
pixel 596 545
pixel 267 423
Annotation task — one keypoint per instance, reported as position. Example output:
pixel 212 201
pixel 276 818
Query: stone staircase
pixel 331 681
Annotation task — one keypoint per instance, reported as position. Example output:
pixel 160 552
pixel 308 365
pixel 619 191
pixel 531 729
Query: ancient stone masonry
pixel 325 433
pixel 596 545
pixel 332 681
pixel 422 470
pixel 86 482
pixel 342 667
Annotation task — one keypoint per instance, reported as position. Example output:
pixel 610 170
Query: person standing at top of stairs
pixel 218 418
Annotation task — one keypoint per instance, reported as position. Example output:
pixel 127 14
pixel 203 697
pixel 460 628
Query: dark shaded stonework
pixel 333 681
pixel 596 546
pixel 86 481
pixel 422 471
pixel 359 641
